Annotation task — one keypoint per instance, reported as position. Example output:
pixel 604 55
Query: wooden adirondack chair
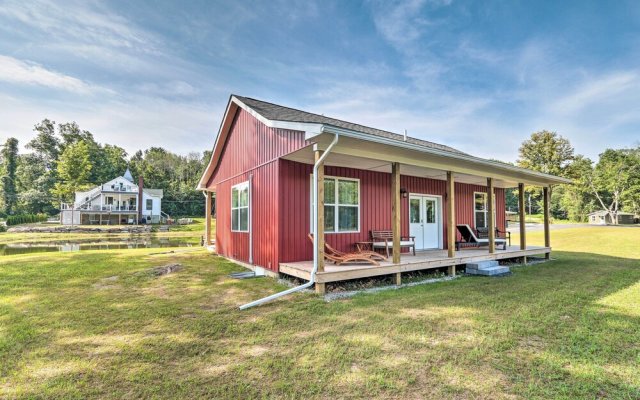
pixel 339 257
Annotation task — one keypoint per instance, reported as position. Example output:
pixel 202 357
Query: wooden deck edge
pixel 364 272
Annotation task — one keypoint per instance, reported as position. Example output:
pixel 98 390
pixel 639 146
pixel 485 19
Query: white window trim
pixel 486 210
pixel 336 205
pixel 239 187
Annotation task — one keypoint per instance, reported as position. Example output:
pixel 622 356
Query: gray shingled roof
pixel 276 112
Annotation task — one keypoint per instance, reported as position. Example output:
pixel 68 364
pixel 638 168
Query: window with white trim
pixel 240 207
pixel 341 205
pixel 481 210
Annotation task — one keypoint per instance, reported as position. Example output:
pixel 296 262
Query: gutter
pixel 315 236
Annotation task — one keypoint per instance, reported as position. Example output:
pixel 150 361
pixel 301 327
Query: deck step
pixel 488 268
pixel 493 271
pixel 483 264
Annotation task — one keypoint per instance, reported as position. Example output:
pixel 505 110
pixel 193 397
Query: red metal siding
pixel 295 193
pixel 252 148
pixel 375 206
pixel 250 144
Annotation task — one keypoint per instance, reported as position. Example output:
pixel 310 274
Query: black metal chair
pixel 483 233
pixel 469 238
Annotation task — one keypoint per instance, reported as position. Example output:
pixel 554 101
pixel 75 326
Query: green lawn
pixel 569 328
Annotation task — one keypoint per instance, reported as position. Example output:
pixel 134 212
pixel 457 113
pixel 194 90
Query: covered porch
pixel 423 260
pixel 335 147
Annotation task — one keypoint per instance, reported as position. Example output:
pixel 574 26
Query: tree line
pixel 63 159
pixel 611 184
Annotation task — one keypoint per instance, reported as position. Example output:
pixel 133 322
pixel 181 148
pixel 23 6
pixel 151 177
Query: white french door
pixel 425 221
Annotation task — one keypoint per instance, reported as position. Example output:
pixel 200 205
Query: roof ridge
pixel 397 136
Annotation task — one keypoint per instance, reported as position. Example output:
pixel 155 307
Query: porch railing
pixel 98 207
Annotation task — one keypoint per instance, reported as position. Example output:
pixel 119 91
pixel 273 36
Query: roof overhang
pixel 389 150
pixel 381 149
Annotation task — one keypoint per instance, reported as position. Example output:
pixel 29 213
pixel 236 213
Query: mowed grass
pixel 569 328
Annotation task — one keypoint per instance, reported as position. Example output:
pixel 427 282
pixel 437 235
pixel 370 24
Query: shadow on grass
pixel 568 328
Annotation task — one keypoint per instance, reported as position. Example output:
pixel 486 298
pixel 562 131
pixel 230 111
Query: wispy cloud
pixel 24 72
pixel 599 91
pixel 403 22
pixel 79 21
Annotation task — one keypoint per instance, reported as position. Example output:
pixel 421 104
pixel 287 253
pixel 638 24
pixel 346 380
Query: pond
pixel 93 244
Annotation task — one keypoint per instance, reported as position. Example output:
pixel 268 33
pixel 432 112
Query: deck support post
pixel 451 220
pixel 207 229
pixel 522 217
pixel 547 233
pixel 491 223
pixel 320 287
pixel 395 210
pixel 398 278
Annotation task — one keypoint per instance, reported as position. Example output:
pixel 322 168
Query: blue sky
pixel 479 76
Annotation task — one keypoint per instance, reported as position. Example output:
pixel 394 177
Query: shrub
pixel 25 219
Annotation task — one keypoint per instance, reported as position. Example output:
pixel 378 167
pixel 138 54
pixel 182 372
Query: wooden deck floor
pixel 408 262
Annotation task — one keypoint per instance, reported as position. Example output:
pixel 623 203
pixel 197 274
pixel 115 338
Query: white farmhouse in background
pixel 117 202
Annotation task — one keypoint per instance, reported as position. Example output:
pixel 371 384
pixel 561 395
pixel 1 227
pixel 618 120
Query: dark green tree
pixel 9 167
pixel 74 171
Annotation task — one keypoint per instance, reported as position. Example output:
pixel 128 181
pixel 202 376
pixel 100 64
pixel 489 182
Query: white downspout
pixel 315 236
pixel 250 219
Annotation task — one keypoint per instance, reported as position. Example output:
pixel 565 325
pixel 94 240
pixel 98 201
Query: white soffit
pixel 306 156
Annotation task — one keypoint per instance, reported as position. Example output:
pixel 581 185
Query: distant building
pixel 119 201
pixel 603 218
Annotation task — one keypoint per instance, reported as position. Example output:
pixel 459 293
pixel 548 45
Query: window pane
pixel 234 220
pixel 414 211
pixel 244 197
pixel 329 191
pixel 431 211
pixel 347 218
pixel 329 218
pixel 481 202
pixel 347 192
pixel 234 197
pixel 481 220
pixel 244 219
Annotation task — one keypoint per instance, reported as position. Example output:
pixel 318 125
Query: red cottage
pixel 267 158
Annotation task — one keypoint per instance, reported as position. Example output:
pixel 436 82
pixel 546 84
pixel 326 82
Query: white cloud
pixel 81 22
pixel 598 91
pixel 403 22
pixel 24 72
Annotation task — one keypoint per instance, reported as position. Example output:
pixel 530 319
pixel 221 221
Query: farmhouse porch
pixel 423 260
pixel 338 148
